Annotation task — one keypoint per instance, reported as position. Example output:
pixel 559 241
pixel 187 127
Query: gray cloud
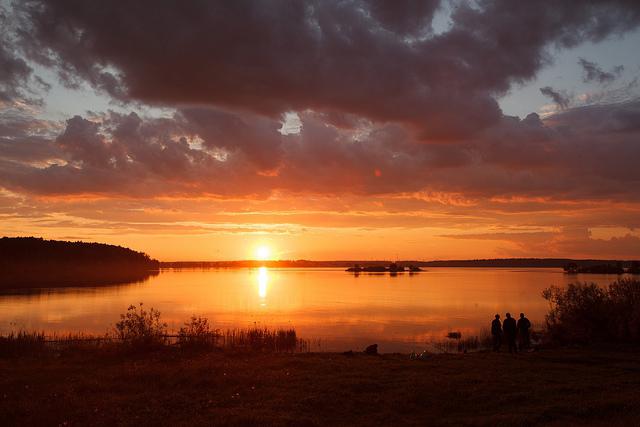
pixel 561 99
pixel 14 71
pixel 593 72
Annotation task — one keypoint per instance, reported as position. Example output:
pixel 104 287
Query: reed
pixel 142 330
pixel 455 342
pixel 264 339
pixel 22 342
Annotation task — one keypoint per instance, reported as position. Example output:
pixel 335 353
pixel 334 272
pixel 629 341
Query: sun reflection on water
pixel 263 280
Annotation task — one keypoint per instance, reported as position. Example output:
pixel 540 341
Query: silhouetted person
pixel 509 329
pixel 496 333
pixel 523 331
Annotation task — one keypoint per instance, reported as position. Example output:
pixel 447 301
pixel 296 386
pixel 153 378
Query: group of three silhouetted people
pixel 510 330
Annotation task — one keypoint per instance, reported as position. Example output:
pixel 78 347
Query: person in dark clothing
pixel 496 333
pixel 509 328
pixel 523 331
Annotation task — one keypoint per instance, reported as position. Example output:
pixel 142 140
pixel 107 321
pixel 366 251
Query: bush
pixel 587 313
pixel 140 328
pixel 197 333
pixel 625 299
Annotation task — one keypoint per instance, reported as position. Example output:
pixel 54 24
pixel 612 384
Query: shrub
pixel 586 313
pixel 197 333
pixel 625 300
pixel 578 313
pixel 141 328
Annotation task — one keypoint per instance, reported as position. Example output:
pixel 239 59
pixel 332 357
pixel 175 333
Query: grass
pixel 142 330
pixel 36 344
pixel 171 387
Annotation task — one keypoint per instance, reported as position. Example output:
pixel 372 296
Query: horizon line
pixel 402 260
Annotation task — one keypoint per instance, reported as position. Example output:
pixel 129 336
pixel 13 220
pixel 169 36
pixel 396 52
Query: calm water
pixel 338 310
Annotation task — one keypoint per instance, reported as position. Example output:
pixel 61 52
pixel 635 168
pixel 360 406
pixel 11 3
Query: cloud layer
pixel 368 58
pixel 581 154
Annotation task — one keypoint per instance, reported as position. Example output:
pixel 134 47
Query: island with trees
pixel 34 262
pixel 617 267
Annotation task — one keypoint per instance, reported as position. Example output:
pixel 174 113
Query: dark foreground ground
pixel 558 387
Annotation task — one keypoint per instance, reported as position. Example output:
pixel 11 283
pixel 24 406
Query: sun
pixel 263 253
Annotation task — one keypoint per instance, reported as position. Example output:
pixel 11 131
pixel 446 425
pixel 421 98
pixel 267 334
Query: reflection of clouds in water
pixel 263 280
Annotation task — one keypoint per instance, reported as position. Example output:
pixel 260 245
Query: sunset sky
pixel 325 129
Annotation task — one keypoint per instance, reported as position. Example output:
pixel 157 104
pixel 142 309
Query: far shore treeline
pixel 585 264
pixel 31 261
pixel 27 262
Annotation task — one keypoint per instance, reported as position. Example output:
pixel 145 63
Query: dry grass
pixel 264 339
pixel 170 387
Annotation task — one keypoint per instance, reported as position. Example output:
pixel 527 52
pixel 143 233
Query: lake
pixel 334 309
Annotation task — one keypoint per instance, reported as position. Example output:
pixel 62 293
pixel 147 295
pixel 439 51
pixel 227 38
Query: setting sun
pixel 263 253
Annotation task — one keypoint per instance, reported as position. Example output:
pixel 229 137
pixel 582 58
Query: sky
pixel 334 129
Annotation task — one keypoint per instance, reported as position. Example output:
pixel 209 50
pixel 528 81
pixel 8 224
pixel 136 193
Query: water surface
pixel 337 310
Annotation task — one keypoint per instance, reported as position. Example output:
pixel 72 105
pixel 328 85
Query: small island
pixel 30 262
pixel 603 268
pixel 393 268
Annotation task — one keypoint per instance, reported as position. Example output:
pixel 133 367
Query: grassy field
pixel 171 387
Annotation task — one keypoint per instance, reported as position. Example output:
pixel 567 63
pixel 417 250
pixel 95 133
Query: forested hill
pixel 35 260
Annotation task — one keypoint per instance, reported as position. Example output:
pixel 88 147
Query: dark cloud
pixel 255 136
pixel 372 83
pixel 26 139
pixel 369 58
pixel 14 71
pixel 30 149
pixel 404 16
pixel 561 99
pixel 579 240
pixel 575 241
pixel 593 72
pixel 581 154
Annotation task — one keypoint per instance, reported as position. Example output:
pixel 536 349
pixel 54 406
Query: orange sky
pixel 326 228
pixel 341 130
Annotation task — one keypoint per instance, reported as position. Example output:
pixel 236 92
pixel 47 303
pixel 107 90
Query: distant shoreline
pixel 483 263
